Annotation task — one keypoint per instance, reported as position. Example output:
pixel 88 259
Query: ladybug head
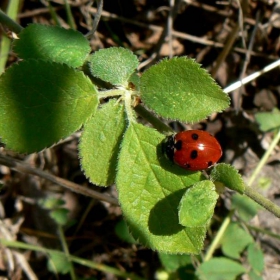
pixel 168 147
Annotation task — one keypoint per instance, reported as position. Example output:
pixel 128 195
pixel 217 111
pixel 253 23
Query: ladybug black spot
pixel 178 145
pixel 210 163
pixel 194 136
pixel 187 165
pixel 194 154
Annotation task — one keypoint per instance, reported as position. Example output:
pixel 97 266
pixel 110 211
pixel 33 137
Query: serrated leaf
pixel 245 206
pixel 172 262
pixel 220 268
pixel 256 257
pixel 122 232
pixel 113 65
pixel 229 176
pixel 100 143
pixel 268 120
pixel 60 216
pixel 179 89
pixel 59 263
pixel 196 207
pixel 52 43
pixel 42 103
pixel 235 240
pixel 150 189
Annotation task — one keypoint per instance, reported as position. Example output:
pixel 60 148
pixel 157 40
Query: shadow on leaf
pixel 163 219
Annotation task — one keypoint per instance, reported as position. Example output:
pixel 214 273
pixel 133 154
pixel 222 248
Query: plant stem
pixel 11 24
pixel 91 264
pixel 159 125
pixel 264 231
pixel 250 192
pixel 216 242
pixel 110 93
pixel 128 107
pixel 264 158
pixel 264 202
pixel 53 14
pixel 66 251
pixel 70 18
pixel 5 44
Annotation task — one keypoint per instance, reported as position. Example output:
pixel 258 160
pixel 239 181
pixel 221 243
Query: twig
pixel 167 32
pixel 223 54
pixel 154 56
pixel 20 166
pixel 170 27
pixel 96 19
pixel 175 33
pixel 247 59
pixel 240 22
pixel 252 77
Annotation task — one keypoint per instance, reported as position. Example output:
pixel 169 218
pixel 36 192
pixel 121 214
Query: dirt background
pixel 214 34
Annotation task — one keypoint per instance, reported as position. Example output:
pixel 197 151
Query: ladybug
pixel 193 149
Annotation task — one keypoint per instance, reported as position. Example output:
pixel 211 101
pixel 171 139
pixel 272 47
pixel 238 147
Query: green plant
pixel 59 87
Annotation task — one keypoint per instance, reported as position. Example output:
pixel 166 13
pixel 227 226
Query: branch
pixel 20 166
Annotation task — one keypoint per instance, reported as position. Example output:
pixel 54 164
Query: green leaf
pixel 60 216
pixel 51 202
pixel 150 189
pixel 246 207
pixel 235 240
pixel 197 205
pixel 179 89
pixel 254 275
pixel 41 103
pixel 229 176
pixel 134 79
pixel 186 272
pixel 59 263
pixel 256 257
pixel 220 269
pixel 113 65
pixel 172 262
pixel 264 183
pixel 52 43
pixel 122 232
pixel 268 120
pixel 100 143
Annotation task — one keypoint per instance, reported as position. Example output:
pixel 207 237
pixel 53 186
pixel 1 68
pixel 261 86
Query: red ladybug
pixel 193 149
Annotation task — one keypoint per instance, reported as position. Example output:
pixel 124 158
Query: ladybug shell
pixel 193 149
